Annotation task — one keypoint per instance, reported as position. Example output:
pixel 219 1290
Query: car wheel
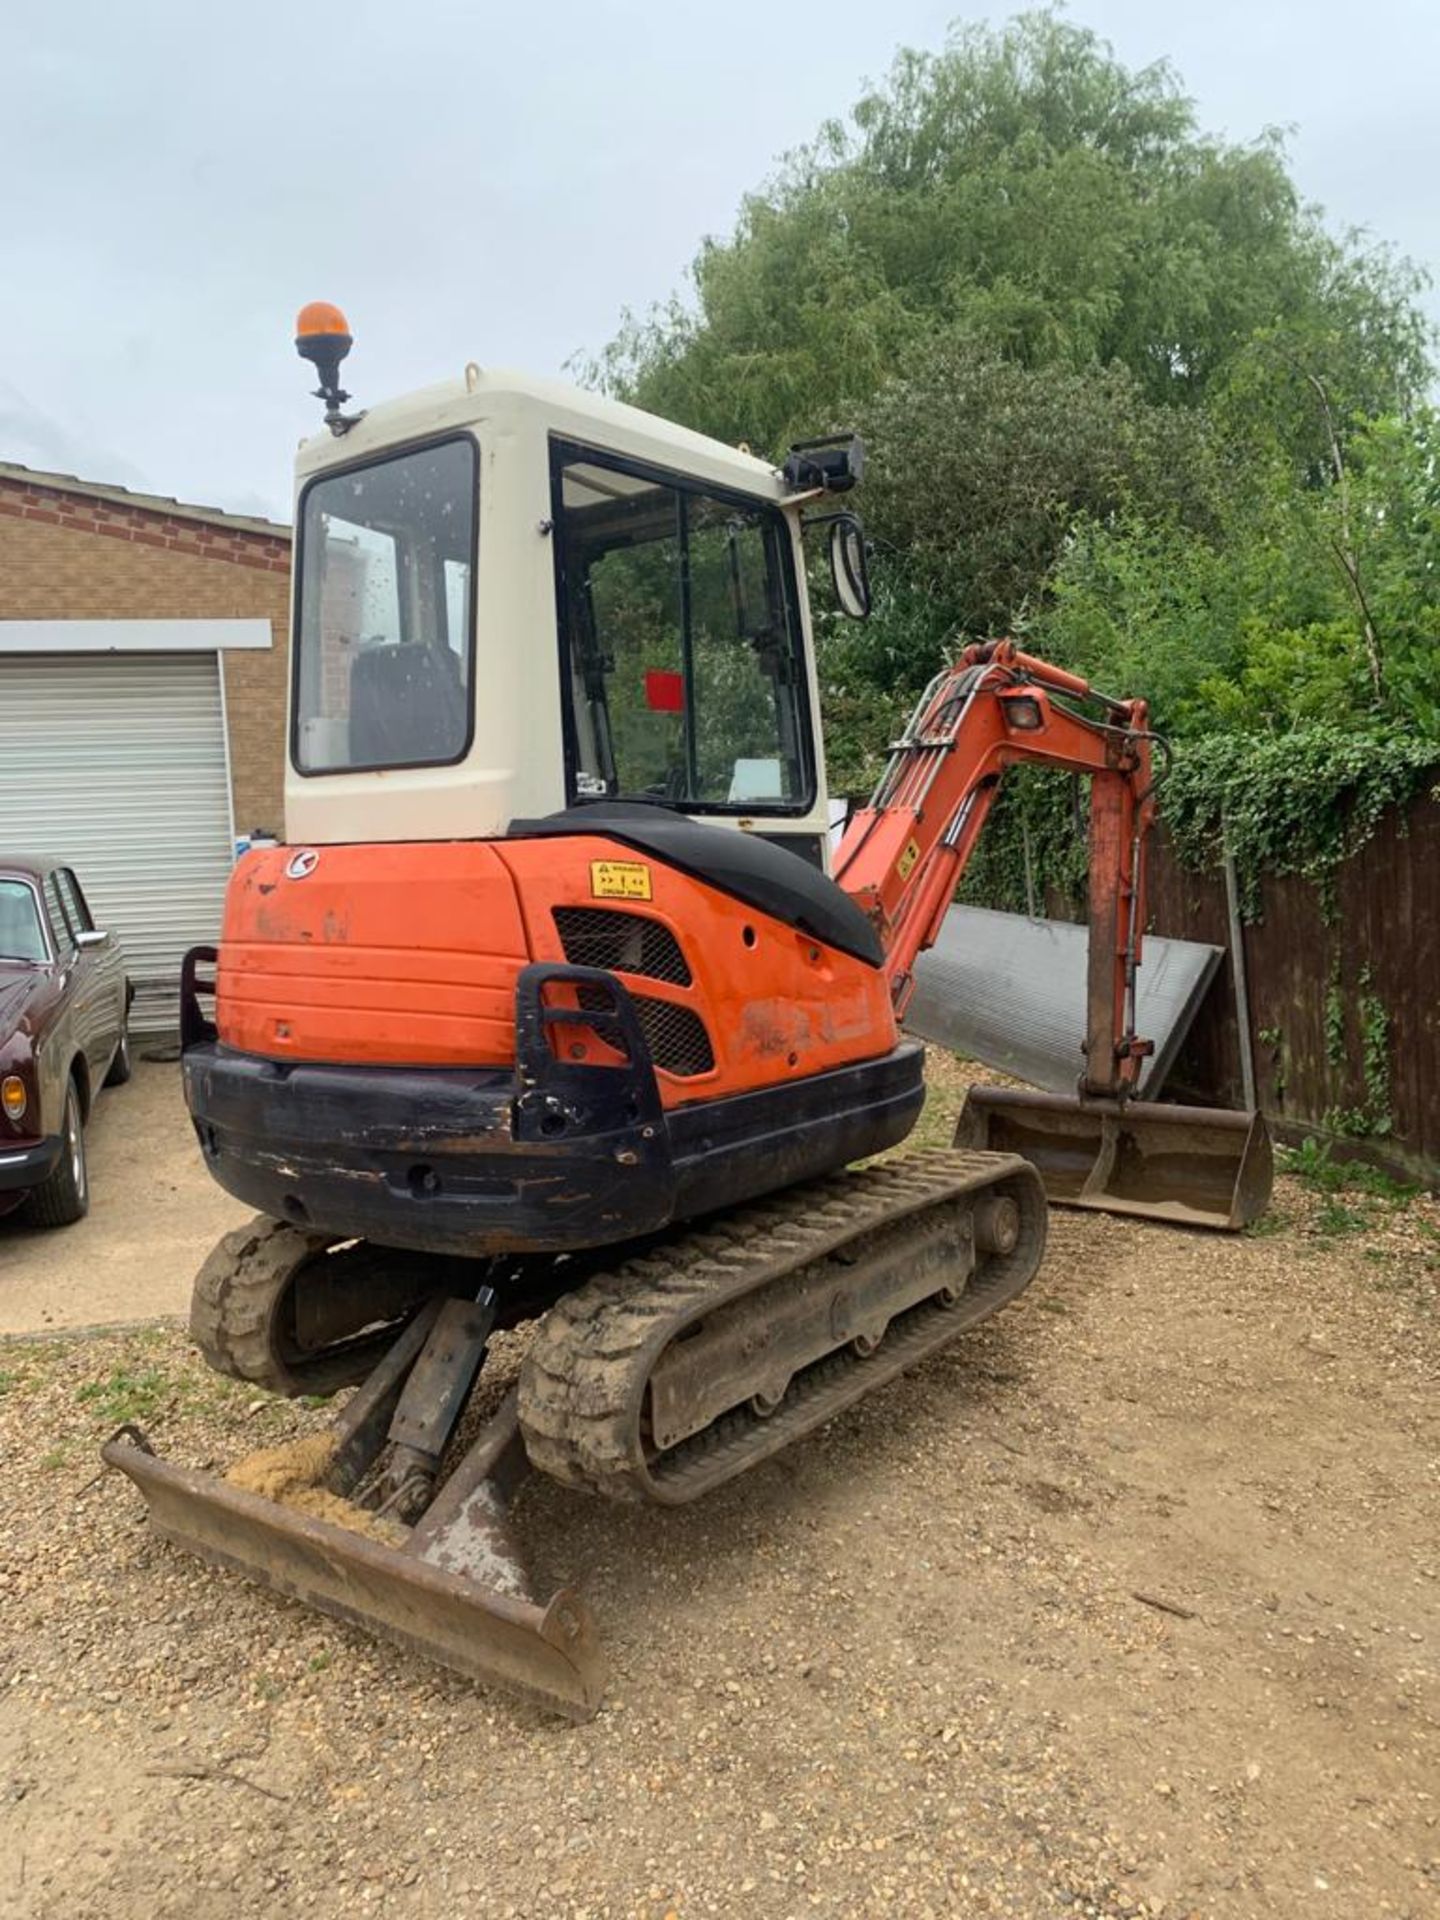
pixel 64 1195
pixel 122 1066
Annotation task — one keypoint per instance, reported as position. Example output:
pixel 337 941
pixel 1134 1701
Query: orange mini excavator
pixel 554 1007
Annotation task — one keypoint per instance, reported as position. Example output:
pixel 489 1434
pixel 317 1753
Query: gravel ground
pixel 1128 1605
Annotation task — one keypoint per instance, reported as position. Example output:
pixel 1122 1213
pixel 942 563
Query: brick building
pixel 143 648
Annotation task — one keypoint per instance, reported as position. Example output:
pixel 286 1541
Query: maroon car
pixel 64 1001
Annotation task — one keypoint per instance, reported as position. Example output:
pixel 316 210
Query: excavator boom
pixel 905 853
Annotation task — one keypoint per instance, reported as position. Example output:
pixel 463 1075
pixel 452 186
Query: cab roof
pixel 520 400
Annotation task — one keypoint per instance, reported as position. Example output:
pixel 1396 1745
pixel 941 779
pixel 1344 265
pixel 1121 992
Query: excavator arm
pixel 903 856
pixel 905 853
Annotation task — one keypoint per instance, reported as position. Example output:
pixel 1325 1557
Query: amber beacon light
pixel 322 336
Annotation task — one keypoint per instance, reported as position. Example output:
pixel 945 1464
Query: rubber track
pixel 582 1384
pixel 235 1309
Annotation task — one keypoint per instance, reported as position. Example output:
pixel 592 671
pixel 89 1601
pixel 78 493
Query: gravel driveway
pixel 1128 1605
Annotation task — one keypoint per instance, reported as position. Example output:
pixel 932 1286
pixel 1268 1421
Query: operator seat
pixel 407 706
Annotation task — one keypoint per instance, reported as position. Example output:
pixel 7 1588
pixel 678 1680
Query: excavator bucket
pixel 1192 1166
pixel 451 1586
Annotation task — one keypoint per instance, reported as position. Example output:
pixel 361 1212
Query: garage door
pixel 115 763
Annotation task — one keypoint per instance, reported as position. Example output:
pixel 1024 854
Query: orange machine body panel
pixel 380 955
pixel 776 1003
pixel 407 954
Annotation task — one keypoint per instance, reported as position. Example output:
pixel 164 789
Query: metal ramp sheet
pixel 1010 991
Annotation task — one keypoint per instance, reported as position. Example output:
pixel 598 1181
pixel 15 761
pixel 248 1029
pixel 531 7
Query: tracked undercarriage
pixel 654 1379
pixel 685 1366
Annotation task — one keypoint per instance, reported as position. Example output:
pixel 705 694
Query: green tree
pixel 1304 602
pixel 1124 394
pixel 1026 188
pixel 979 465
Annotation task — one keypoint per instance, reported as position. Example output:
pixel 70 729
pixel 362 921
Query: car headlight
pixel 13 1097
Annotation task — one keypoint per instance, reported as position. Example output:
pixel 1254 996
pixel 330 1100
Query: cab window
pixel 384 652
pixel 681 646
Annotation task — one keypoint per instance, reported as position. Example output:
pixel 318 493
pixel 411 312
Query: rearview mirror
pixel 848 568
pixel 92 937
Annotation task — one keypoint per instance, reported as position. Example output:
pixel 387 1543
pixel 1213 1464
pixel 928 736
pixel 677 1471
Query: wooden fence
pixel 1344 1005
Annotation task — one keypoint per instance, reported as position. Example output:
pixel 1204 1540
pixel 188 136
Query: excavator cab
pixel 512 600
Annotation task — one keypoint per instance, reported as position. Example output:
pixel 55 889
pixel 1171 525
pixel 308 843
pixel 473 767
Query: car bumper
pixel 26 1165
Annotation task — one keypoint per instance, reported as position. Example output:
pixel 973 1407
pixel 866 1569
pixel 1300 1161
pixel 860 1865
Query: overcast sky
pixel 496 182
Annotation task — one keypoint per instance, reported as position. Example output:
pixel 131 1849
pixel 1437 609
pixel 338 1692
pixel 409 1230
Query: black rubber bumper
pixel 555 1156
pixel 24 1167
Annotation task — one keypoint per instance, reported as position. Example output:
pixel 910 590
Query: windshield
pixel 681 641
pixel 384 657
pixel 21 937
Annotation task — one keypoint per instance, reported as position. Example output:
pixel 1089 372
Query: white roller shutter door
pixel 116 764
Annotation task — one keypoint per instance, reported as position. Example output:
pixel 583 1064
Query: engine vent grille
pixel 675 1036
pixel 621 943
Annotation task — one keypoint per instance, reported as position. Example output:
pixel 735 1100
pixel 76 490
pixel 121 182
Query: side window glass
pixel 633 617
pixel 686 680
pixel 743 663
pixel 75 906
pixel 61 930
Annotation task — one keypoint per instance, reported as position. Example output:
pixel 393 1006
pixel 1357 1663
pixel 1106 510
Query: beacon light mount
pixel 323 337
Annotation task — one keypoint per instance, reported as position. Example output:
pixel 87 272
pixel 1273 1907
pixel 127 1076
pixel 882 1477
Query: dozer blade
pixel 454 1586
pixel 1192 1166
pixel 547 1654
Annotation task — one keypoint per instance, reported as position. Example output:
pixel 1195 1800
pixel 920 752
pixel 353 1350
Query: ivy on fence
pixel 1296 802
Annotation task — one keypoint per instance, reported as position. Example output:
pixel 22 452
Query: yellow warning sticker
pixel 619 880
pixel 906 862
